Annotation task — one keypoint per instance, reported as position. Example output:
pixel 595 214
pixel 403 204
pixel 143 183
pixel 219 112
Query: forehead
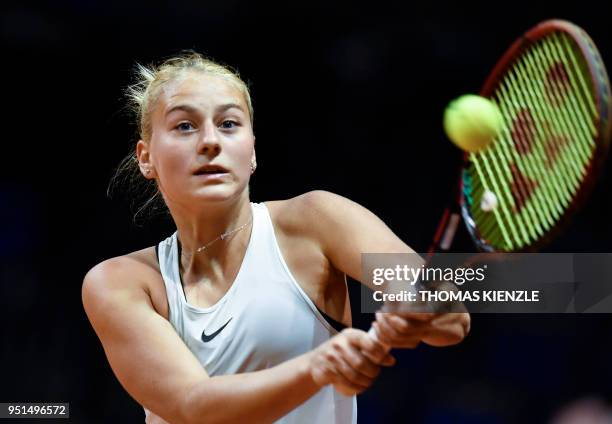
pixel 201 90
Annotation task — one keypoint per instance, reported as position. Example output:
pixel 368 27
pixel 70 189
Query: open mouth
pixel 211 170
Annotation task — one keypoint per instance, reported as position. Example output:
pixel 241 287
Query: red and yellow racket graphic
pixel 553 92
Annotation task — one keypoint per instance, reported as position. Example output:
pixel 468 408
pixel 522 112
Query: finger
pixel 348 390
pixel 324 374
pixel 406 326
pixel 454 322
pixel 391 339
pixel 386 332
pixel 371 348
pixel 388 360
pixel 453 317
pixel 447 330
pixel 420 316
pixel 401 325
pixel 382 335
pixel 361 363
pixel 343 386
pixel 349 376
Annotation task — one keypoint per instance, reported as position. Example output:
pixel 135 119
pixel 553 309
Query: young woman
pixel 231 318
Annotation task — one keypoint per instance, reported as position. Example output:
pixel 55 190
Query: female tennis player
pixel 238 316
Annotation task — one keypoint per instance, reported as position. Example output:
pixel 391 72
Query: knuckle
pixel 360 362
pixel 350 333
pixel 379 357
pixel 403 325
pixel 377 350
pixel 349 372
pixel 336 343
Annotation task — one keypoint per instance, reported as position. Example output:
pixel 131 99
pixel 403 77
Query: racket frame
pixel 601 92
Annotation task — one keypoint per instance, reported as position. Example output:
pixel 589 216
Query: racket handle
pixel 374 336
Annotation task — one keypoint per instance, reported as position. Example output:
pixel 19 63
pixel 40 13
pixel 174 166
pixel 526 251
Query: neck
pixel 203 227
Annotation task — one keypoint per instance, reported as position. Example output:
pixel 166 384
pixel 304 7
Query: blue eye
pixel 184 126
pixel 228 124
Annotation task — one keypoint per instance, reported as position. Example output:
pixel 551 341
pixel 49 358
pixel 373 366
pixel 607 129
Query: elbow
pixel 191 410
pixel 200 405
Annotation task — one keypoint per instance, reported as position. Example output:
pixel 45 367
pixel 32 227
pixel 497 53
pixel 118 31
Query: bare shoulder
pixel 115 272
pixel 342 229
pixel 310 211
pixel 323 216
pixel 144 351
pixel 132 275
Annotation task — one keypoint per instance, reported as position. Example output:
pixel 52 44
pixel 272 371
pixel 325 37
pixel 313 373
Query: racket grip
pixel 374 336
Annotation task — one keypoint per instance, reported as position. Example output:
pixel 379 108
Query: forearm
pixel 261 396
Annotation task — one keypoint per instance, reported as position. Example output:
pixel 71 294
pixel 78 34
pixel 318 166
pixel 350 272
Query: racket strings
pixel 522 188
pixel 549 131
pixel 580 120
pixel 538 162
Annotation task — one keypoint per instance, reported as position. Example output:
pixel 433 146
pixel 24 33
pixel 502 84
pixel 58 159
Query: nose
pixel 209 142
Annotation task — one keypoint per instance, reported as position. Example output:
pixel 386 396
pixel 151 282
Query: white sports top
pixel 264 319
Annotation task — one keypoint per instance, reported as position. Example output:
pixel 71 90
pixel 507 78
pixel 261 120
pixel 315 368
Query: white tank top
pixel 264 319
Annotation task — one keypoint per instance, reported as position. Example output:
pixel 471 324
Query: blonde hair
pixel 142 96
pixel 145 92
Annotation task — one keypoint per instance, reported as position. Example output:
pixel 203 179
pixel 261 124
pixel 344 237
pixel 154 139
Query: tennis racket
pixel 552 89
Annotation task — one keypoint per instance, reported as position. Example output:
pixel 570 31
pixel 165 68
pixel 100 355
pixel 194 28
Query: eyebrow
pixel 190 109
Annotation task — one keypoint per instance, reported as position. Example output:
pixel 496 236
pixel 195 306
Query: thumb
pixel 388 360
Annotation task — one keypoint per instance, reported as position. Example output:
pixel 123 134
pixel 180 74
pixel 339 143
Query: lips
pixel 211 169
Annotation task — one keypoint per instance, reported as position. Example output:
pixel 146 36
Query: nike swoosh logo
pixel 207 338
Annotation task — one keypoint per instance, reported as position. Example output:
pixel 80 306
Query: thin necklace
pixel 223 236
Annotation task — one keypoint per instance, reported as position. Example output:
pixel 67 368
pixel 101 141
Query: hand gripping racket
pixel 552 89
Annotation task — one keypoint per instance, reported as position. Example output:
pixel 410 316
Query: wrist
pixel 305 368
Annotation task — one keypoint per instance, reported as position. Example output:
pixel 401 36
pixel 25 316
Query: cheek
pixel 171 161
pixel 241 154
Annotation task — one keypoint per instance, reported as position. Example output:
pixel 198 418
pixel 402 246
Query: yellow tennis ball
pixel 472 122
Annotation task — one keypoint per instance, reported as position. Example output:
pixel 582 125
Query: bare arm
pixel 345 230
pixel 158 370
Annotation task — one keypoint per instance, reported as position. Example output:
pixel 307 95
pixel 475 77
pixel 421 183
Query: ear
pixel 144 160
pixel 253 161
pixel 253 155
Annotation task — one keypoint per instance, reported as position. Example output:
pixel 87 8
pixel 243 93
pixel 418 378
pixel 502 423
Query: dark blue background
pixel 349 98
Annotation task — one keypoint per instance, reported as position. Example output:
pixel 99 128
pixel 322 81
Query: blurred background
pixel 348 97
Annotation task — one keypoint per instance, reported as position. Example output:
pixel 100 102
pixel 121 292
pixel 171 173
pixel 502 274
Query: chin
pixel 217 193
